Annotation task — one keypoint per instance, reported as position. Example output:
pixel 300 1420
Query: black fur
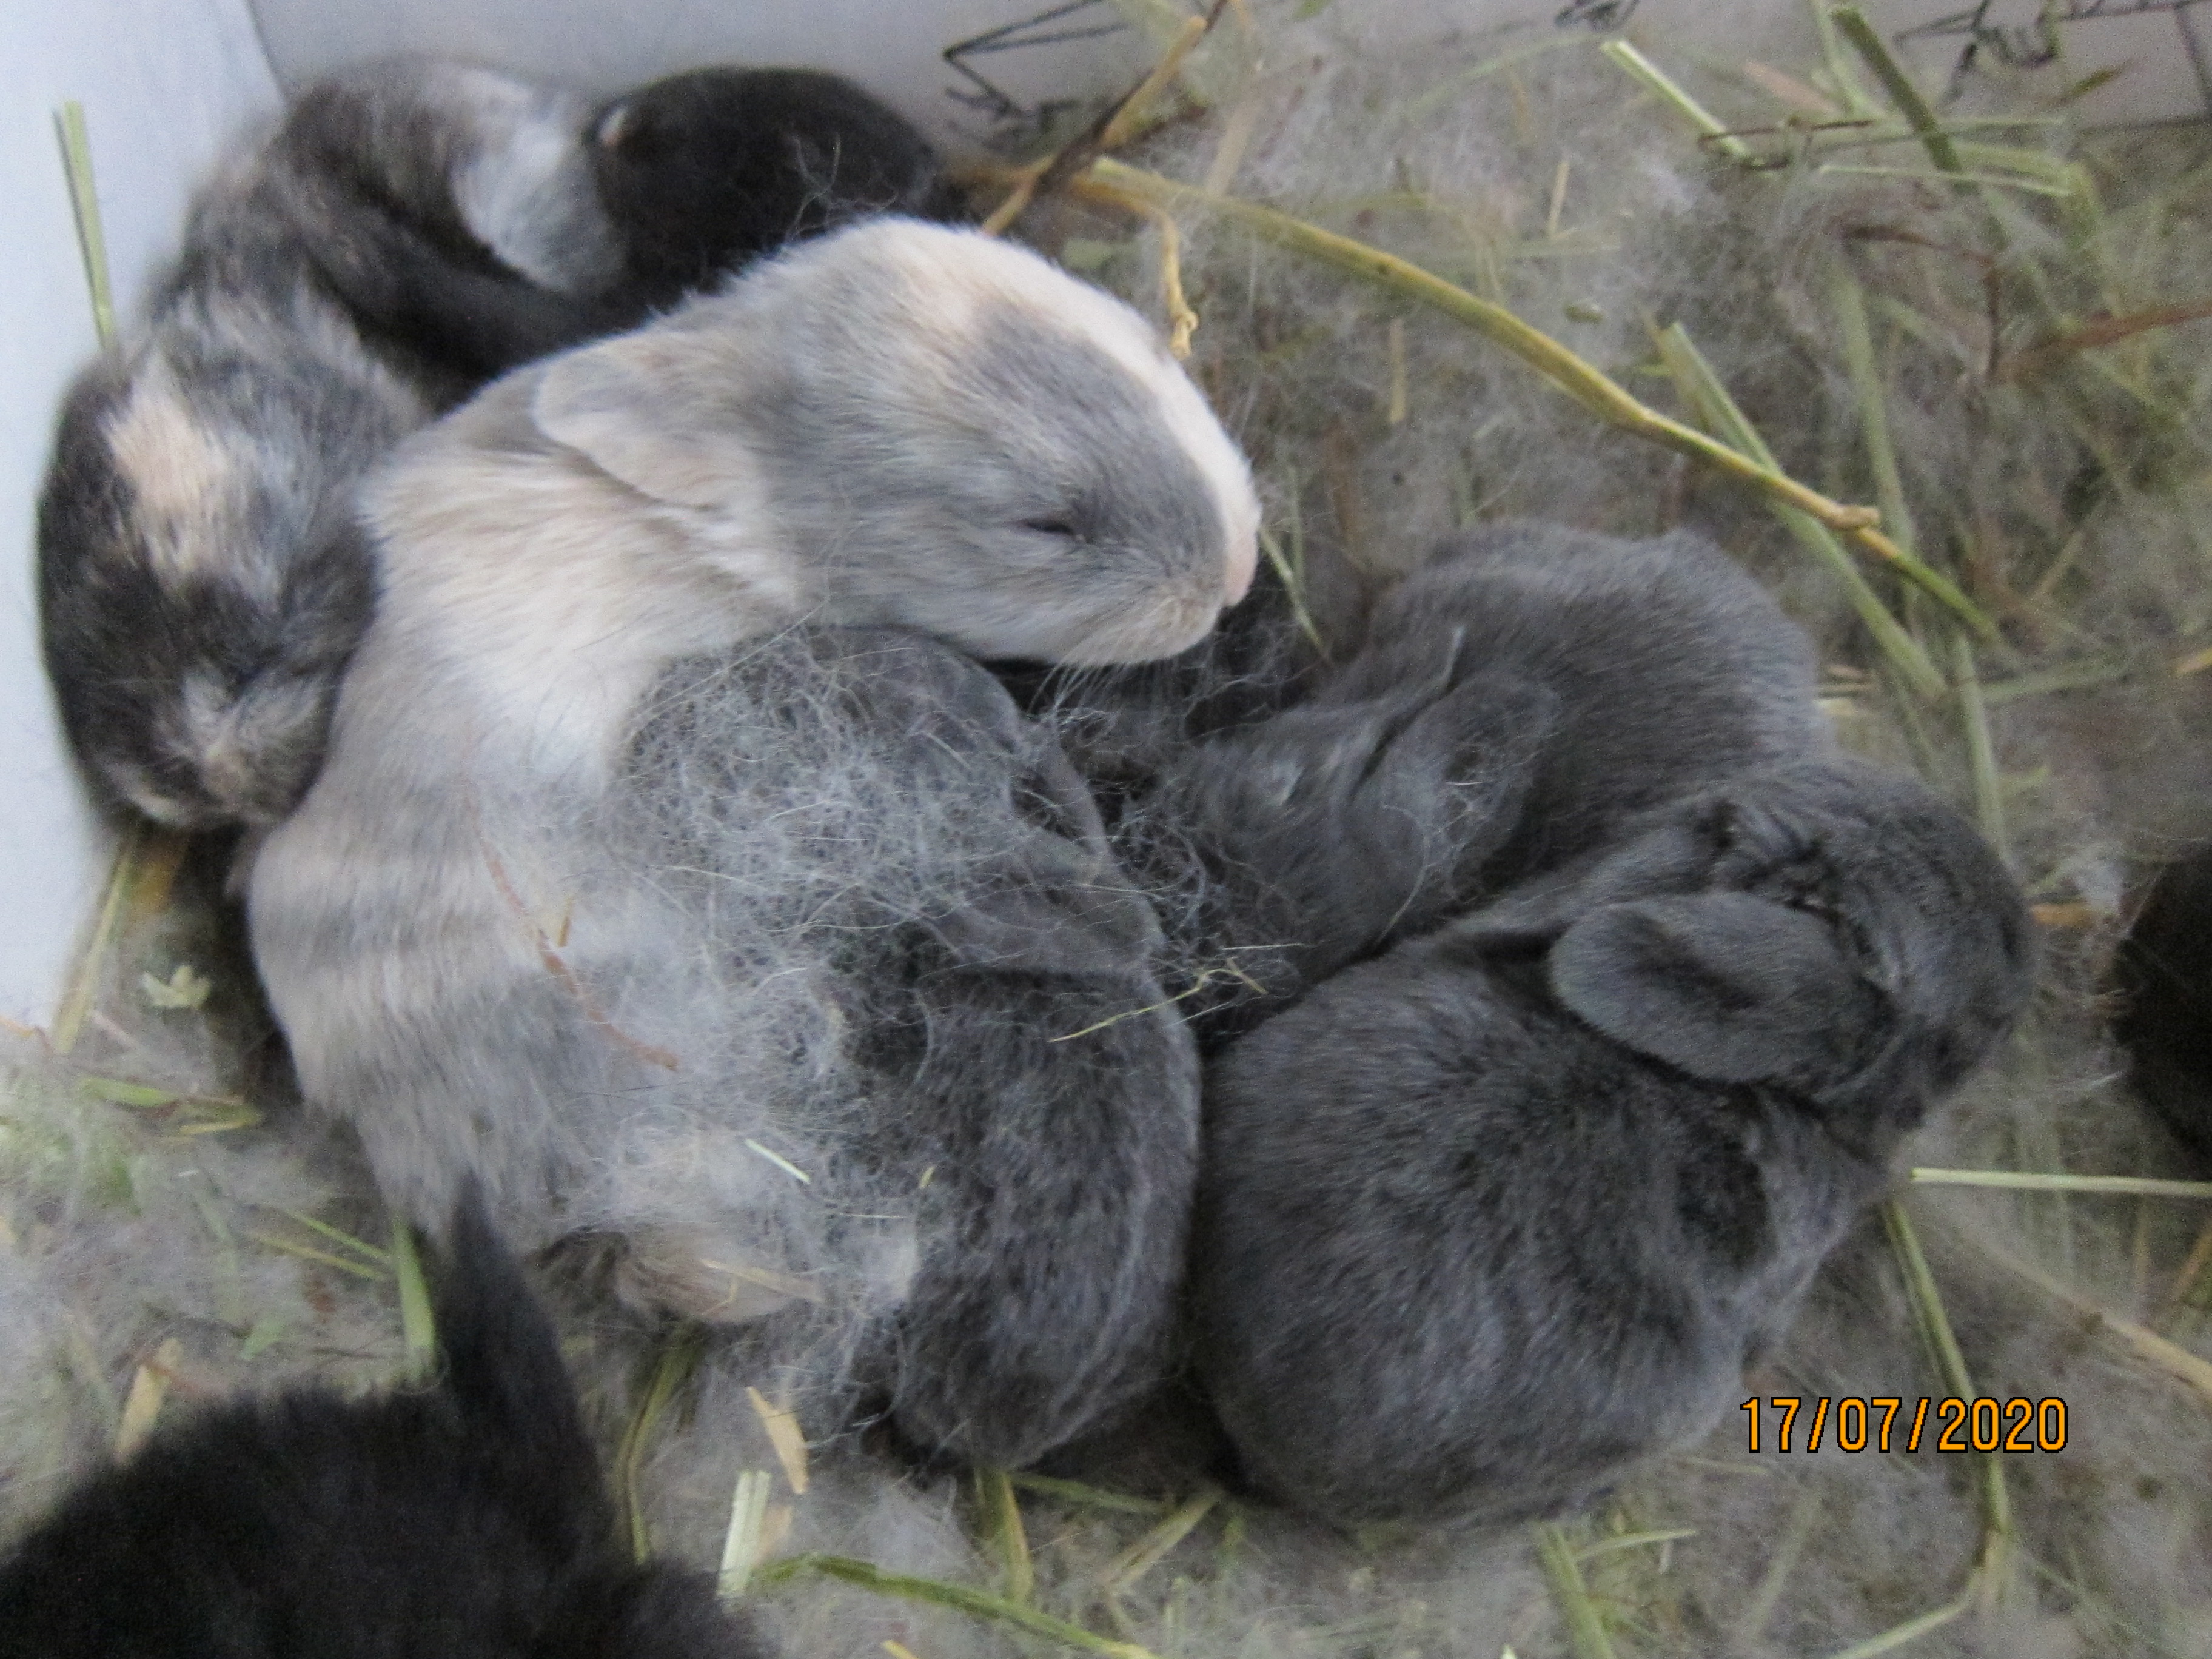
pixel 705 171
pixel 2164 970
pixel 466 1519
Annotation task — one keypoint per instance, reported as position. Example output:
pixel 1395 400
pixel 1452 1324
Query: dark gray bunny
pixel 1484 1221
pixel 1516 701
pixel 1000 1085
pixel 467 1518
pixel 409 229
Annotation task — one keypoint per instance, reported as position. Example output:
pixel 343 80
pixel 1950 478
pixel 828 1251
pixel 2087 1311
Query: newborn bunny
pixel 898 424
pixel 409 229
pixel 1486 1220
pixel 889 944
pixel 709 169
pixel 467 1519
pixel 694 176
pixel 1517 700
pixel 2164 969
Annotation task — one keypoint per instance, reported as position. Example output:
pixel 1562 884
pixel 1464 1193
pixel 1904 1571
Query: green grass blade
pixel 1096 1498
pixel 1702 391
pixel 1586 1631
pixel 84 197
pixel 2029 1180
pixel 679 1357
pixel 418 1330
pixel 1656 81
pixel 1867 42
pixel 960 1598
pixel 1009 1539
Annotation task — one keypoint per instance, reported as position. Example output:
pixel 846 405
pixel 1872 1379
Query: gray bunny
pixel 1484 1221
pixel 897 423
pixel 904 960
pixel 1516 701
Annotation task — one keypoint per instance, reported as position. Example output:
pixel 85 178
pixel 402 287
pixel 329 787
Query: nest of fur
pixel 1975 346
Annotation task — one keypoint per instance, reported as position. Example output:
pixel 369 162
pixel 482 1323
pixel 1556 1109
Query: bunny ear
pixel 1724 986
pixel 626 405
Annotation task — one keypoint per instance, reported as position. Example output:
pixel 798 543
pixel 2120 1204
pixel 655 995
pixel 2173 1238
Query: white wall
pixel 162 81
pixel 892 47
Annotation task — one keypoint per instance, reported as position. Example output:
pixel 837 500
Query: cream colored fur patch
pixel 181 482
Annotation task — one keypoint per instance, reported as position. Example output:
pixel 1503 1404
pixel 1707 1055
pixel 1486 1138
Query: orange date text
pixel 1792 1422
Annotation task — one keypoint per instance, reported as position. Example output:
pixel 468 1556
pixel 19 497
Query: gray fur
pixel 1489 1220
pixel 409 229
pixel 195 624
pixel 884 903
pixel 199 586
pixel 938 436
pixel 840 912
pixel 1516 702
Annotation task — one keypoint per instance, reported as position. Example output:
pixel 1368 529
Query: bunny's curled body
pixel 410 228
pixel 1645 982
pixel 467 1519
pixel 898 424
pixel 1597 1136
pixel 1514 701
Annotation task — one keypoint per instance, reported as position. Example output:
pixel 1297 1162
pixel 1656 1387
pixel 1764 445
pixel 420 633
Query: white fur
pixel 548 591
pixel 527 193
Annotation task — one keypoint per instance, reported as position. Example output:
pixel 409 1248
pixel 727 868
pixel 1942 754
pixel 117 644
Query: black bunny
pixel 2164 969
pixel 467 1518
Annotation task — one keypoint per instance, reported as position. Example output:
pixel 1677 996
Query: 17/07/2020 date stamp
pixel 1853 1424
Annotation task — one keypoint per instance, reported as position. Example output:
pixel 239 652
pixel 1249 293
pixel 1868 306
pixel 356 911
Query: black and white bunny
pixel 896 424
pixel 467 1518
pixel 407 230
